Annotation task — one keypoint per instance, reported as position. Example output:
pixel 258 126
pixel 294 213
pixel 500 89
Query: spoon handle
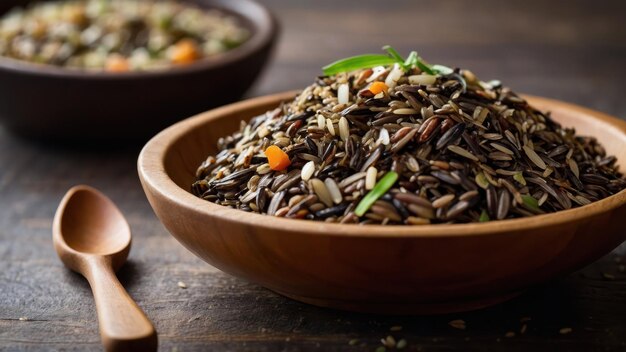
pixel 123 325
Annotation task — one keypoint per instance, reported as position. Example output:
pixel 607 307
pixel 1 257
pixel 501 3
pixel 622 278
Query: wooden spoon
pixel 92 237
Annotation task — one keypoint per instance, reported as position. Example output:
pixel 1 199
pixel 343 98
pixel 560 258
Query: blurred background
pixel 571 50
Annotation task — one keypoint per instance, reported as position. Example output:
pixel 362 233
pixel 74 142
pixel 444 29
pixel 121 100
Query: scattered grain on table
pixel 608 276
pixel 523 329
pixel 458 324
pixel 401 344
pixel 388 341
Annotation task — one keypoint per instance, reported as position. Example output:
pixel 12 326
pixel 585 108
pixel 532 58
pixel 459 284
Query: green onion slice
pixel 484 217
pixel 411 60
pixel 519 177
pixel 425 68
pixel 441 69
pixel 393 53
pixel 383 185
pixel 530 202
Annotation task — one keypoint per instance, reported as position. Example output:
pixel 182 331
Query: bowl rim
pixel 154 178
pixel 265 29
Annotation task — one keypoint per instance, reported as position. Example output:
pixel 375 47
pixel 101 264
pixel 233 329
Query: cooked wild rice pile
pixel 443 148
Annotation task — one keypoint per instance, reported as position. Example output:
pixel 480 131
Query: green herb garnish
pixel 519 177
pixel 442 70
pixel 393 57
pixel 383 185
pixel 393 53
pixel 484 217
pixel 530 202
pixel 357 63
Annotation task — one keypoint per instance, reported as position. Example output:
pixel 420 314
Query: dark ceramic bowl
pixel 53 103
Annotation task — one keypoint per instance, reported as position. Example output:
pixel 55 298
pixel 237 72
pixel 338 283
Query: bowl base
pixel 406 308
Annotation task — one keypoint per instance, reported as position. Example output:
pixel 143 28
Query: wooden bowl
pixel 384 269
pixel 54 103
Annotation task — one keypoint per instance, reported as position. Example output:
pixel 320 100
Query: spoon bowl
pixel 92 237
pixel 91 224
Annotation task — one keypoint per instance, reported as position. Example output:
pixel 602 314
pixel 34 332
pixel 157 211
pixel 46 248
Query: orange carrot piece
pixel 184 52
pixel 277 158
pixel 377 87
pixel 116 63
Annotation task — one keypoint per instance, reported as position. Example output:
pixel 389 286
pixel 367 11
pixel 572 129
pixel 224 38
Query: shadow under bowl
pixel 51 103
pixel 381 269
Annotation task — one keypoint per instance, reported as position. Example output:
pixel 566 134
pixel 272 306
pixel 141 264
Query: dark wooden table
pixel 572 50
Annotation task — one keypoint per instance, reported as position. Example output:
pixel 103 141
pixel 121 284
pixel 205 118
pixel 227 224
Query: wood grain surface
pixel 570 50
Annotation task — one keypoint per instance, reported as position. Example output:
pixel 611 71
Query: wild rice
pixel 383 136
pixel 443 201
pixel 117 35
pixel 333 190
pixel 534 157
pixel 343 93
pixel 422 79
pixel 370 178
pixel 322 192
pixel 344 129
pixel 307 171
pixel 460 147
pixel 462 152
